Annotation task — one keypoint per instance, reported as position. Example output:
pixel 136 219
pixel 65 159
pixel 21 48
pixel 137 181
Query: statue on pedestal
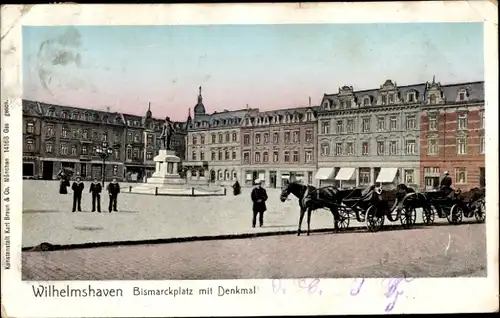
pixel 166 134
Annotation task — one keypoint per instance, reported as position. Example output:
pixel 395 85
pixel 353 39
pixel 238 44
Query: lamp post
pixel 104 151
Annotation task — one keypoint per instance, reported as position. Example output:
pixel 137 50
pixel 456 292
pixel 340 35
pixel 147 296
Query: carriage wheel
pixel 408 217
pixel 455 215
pixel 374 222
pixel 480 212
pixel 344 218
pixel 428 215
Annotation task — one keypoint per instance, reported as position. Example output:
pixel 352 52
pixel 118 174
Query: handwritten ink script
pixel 310 285
pixel 6 183
pixel 392 289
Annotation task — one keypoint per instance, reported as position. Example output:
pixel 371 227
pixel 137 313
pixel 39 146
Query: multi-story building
pixel 279 145
pixel 370 136
pixel 61 136
pixel 452 133
pixel 213 145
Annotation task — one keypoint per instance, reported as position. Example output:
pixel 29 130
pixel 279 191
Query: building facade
pixel 278 146
pixel 371 136
pixel 56 137
pixel 213 146
pixel 453 140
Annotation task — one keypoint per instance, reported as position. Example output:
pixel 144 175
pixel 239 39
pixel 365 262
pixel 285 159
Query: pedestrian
pixel 113 190
pixel 259 198
pixel 236 188
pixel 95 189
pixel 64 182
pixel 77 188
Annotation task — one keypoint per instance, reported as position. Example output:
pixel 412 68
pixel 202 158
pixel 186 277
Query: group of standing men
pixel 113 189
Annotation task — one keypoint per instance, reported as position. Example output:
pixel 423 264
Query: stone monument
pixel 166 162
pixel 166 165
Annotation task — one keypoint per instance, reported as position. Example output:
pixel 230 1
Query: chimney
pixel 309 101
pixel 247 107
pixel 107 109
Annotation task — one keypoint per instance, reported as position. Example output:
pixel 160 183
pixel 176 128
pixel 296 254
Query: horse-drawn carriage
pixel 455 205
pixel 373 205
pixel 370 205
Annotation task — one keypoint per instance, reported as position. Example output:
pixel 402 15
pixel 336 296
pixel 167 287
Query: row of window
pixel 278 119
pixel 220 137
pixel 390 98
pixel 77 133
pixel 288 137
pixel 78 116
pixel 288 156
pixel 220 175
pixel 460 175
pixel 65 150
pixel 365 176
pixel 349 125
pixel 226 155
pixel 462 145
pixel 348 148
pixel 462 122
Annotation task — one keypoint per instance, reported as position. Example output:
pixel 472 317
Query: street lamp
pixel 104 152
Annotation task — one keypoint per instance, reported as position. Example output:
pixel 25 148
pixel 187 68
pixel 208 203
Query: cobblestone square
pixel 47 216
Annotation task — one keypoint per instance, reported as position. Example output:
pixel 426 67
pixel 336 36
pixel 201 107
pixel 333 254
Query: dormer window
pixel 309 116
pixel 88 116
pixel 51 112
pixel 64 115
pixel 348 103
pixel 462 95
pixel 391 98
pixel 326 104
pixel 247 121
pixel 410 97
pixel 384 99
pixel 117 120
pixel 341 104
pixel 366 101
pixel 432 98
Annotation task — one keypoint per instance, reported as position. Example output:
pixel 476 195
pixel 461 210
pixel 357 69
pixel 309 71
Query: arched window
pixel 325 149
pixel 219 175
pixel 227 176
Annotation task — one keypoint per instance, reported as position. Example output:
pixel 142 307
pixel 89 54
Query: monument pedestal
pixel 166 165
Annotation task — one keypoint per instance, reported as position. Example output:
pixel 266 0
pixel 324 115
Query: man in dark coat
pixel 259 198
pixel 445 185
pixel 77 188
pixel 113 190
pixel 95 189
pixel 64 183
pixel 236 188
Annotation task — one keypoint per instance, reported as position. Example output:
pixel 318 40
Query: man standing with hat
pixel 259 198
pixel 77 188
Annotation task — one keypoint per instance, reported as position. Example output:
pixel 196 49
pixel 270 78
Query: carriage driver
pixel 445 185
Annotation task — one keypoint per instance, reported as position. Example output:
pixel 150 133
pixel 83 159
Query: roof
pixel 449 92
pixel 91 115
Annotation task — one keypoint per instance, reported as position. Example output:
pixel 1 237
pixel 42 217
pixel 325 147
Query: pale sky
pixel 264 66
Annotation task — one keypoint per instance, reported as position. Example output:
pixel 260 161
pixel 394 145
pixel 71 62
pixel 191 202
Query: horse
pixel 310 199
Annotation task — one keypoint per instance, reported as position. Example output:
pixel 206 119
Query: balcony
pixel 85 158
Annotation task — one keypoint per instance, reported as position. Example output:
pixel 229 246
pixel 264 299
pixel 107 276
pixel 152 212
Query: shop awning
pixel 387 175
pixel 345 174
pixel 324 173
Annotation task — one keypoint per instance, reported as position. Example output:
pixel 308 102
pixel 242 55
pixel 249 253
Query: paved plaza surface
pixel 438 251
pixel 47 216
